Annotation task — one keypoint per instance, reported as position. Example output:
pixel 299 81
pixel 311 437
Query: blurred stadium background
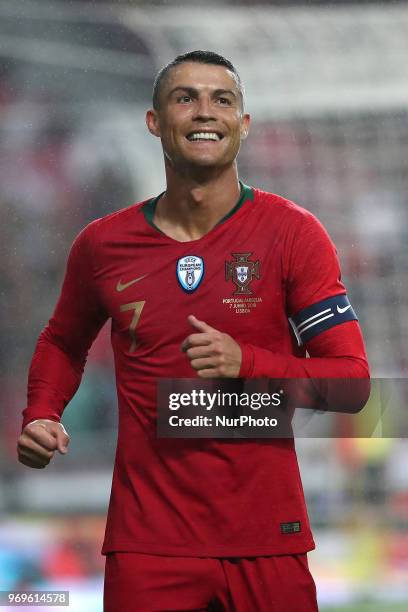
pixel 327 87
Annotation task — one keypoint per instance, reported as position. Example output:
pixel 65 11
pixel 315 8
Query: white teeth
pixel 204 136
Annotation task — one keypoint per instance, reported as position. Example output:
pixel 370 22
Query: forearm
pixel 53 379
pixel 262 363
pixel 335 377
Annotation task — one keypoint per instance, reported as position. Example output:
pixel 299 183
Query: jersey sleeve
pixel 321 316
pixel 59 358
pixel 316 298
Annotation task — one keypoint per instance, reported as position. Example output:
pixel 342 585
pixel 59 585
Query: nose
pixel 204 110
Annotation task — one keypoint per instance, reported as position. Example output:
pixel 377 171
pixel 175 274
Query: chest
pixel 234 282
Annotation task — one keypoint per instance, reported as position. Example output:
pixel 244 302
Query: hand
pixel 212 353
pixel 38 442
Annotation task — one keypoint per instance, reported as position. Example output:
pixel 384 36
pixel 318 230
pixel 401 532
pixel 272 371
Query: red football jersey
pixel 264 263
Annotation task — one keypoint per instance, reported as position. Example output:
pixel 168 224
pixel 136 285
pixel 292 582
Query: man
pixel 202 523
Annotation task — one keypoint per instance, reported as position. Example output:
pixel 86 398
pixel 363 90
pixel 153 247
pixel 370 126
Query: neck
pixel 193 205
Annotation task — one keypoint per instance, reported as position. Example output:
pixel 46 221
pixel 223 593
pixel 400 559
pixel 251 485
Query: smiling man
pixel 199 116
pixel 200 281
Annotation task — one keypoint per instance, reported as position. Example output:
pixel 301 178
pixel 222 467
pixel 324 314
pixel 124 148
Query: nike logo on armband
pixel 122 286
pixel 341 310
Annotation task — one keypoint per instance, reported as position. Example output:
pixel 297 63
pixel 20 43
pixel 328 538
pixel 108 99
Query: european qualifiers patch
pixel 293 527
pixel 242 271
pixel 190 272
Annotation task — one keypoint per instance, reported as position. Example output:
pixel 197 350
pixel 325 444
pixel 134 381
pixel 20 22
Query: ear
pixel 152 122
pixel 246 120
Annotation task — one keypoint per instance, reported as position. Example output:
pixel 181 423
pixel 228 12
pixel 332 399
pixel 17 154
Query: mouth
pixel 198 136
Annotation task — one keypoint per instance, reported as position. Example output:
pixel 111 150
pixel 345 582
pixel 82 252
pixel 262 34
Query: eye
pixel 224 101
pixel 184 99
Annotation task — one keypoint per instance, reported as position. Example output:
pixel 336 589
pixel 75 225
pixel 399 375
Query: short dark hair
pixel 200 57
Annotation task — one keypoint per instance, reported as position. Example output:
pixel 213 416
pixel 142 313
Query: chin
pixel 209 160
pixel 203 162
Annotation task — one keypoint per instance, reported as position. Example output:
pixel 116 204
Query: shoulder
pixel 291 218
pixel 274 204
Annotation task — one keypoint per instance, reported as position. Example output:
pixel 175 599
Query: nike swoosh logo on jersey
pixel 341 310
pixel 121 286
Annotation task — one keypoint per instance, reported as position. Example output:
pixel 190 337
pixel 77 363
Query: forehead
pixel 200 76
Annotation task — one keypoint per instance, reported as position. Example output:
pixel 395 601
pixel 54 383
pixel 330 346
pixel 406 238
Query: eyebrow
pixel 193 91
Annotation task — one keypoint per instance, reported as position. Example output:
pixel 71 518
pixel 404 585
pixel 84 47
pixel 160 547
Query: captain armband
pixel 323 315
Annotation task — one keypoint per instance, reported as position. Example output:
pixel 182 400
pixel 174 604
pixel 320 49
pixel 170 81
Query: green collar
pixel 247 193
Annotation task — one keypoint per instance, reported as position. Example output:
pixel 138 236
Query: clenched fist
pixel 38 442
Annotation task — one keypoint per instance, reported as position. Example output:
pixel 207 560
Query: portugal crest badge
pixel 190 272
pixel 242 271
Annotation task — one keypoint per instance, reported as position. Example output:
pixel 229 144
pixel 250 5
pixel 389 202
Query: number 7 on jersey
pixel 137 308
